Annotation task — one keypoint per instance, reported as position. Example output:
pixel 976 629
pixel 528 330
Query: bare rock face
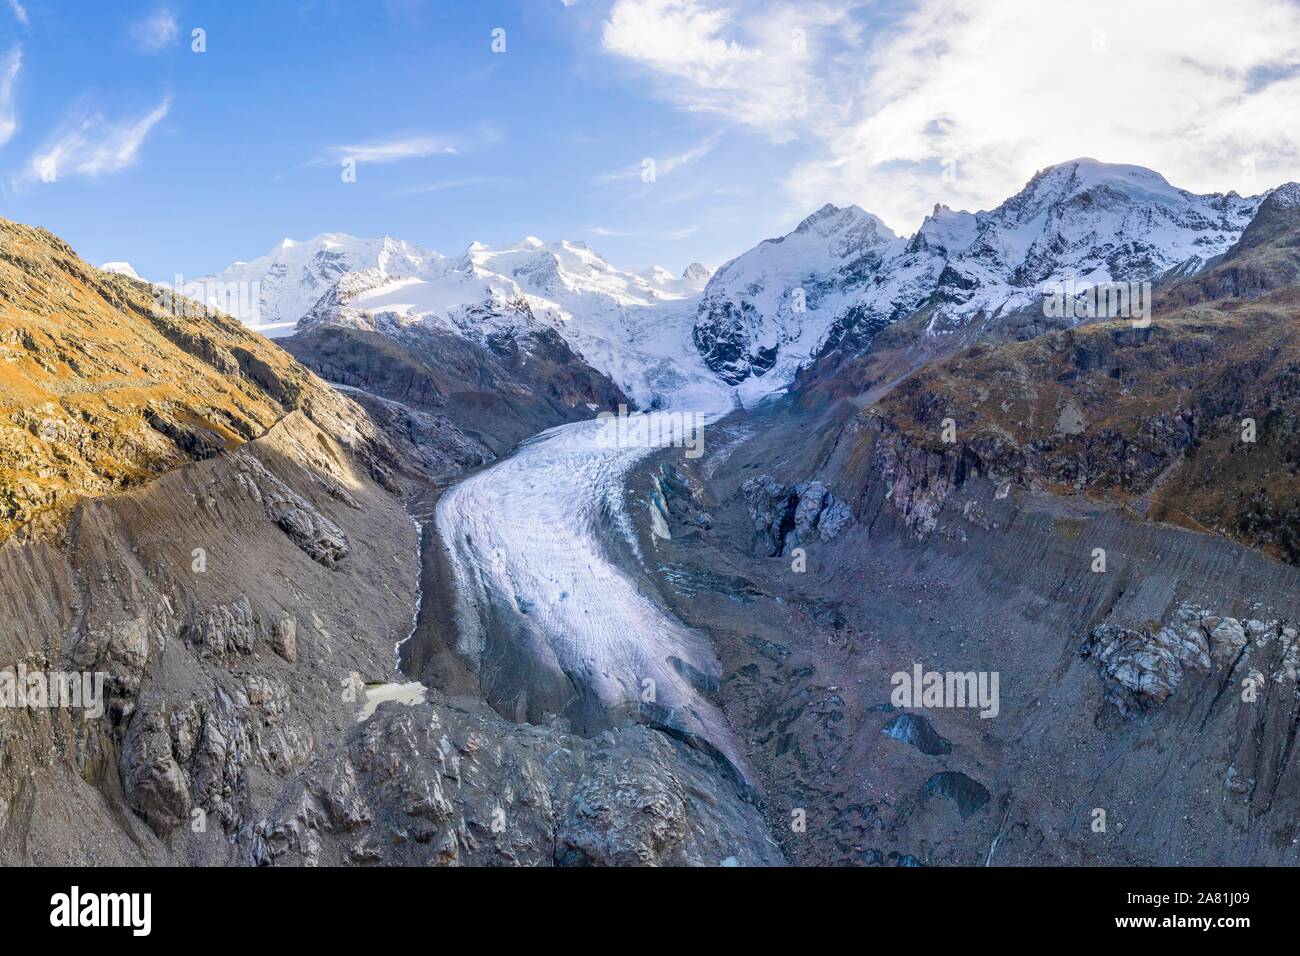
pixel 788 516
pixel 454 400
pixel 224 630
pixel 451 783
pixel 623 813
pixel 121 648
pixel 317 536
pixel 1142 668
pixel 154 784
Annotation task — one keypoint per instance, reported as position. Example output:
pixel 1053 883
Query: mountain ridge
pixel 828 286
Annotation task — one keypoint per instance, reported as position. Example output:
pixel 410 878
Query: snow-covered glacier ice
pixel 544 611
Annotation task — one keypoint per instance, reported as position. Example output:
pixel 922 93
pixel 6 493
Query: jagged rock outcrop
pixel 317 536
pixel 786 516
pixel 451 783
pixel 1142 668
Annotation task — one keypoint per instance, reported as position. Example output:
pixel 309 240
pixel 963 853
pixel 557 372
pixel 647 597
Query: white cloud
pixel 445 184
pixel 1201 91
pixel 756 68
pixel 93 146
pixel 398 148
pixel 10 64
pixel 20 12
pixel 671 236
pixel 155 32
pixel 394 149
pixel 663 166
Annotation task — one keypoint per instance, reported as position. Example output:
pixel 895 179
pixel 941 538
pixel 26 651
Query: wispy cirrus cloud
pixel 392 150
pixel 94 146
pixel 443 185
pixel 671 235
pixel 20 12
pixel 155 32
pixel 663 166
pixel 10 65
pixel 960 101
pixel 401 147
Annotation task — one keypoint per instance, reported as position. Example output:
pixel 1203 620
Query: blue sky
pixel 754 111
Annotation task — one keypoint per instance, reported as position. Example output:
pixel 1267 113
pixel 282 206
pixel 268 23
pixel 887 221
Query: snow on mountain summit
pixel 292 277
pixel 1093 221
pixel 697 274
pixel 121 268
pixel 773 304
pixel 634 326
pixel 838 277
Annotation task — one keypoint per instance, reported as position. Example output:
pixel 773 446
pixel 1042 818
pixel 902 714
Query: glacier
pixel 546 613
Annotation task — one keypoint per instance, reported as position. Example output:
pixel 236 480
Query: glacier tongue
pixel 552 623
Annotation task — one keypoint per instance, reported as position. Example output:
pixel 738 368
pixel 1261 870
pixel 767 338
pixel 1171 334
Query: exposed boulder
pixel 968 794
pixel 155 786
pixel 223 630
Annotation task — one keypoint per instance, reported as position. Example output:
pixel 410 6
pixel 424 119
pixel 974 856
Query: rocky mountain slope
pixel 1085 514
pixel 1191 420
pixel 439 393
pixel 225 540
pixel 105 384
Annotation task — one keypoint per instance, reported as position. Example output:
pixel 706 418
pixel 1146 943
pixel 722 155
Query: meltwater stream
pixel 552 623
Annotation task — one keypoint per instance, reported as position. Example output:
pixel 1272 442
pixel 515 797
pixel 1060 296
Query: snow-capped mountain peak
pixel 696 274
pixel 1085 219
pixel 775 303
pixel 121 268
pixel 839 276
pixel 290 279
pixel 634 326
